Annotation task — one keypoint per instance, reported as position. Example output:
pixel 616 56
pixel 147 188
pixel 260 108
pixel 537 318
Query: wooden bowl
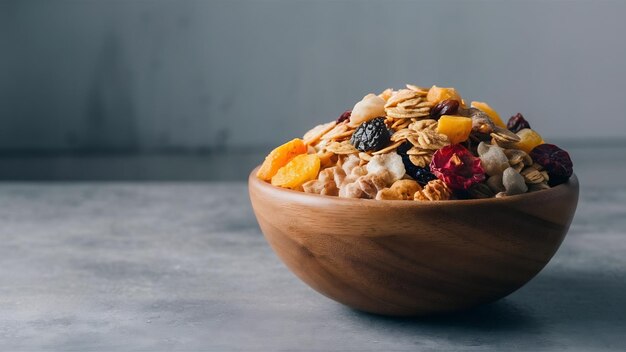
pixel 414 258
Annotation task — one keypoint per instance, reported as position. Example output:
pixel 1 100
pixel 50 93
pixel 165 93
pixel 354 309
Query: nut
pixel 369 107
pixel 513 182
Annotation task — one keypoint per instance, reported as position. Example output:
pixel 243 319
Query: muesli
pixel 422 144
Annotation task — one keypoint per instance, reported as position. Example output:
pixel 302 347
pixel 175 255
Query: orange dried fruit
pixel 457 128
pixel 529 140
pixel 437 94
pixel 279 157
pixel 493 115
pixel 299 170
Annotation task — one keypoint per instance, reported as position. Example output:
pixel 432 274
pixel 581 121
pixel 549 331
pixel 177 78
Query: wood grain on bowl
pixel 413 258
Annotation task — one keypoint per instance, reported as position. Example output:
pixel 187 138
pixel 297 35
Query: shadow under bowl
pixel 407 258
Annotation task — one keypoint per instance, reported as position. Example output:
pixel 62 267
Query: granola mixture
pixel 418 144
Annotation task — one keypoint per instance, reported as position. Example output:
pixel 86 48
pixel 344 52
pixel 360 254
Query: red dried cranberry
pixel 555 160
pixel 345 116
pixel 445 107
pixel 517 123
pixel 457 167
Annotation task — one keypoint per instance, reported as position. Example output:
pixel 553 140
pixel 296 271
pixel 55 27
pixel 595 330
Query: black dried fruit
pixel 403 148
pixel 345 116
pixel 555 160
pixel 420 174
pixel 517 123
pixel 445 107
pixel 371 135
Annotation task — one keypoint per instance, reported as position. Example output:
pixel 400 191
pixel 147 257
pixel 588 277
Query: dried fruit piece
pixel 299 170
pixel 528 140
pixel 344 117
pixel 445 107
pixel 368 108
pixel 457 128
pixel 555 160
pixel 371 135
pixel 434 190
pixel 437 94
pixel 493 115
pixel 423 175
pixel 457 167
pixel 517 123
pixel 279 157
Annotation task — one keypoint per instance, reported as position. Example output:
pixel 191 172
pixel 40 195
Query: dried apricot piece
pixel 279 157
pixel 493 115
pixel 438 94
pixel 529 140
pixel 457 128
pixel 299 170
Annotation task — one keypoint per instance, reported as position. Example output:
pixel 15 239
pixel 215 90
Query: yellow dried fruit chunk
pixel 529 140
pixel 299 170
pixel 279 157
pixel 457 128
pixel 437 94
pixel 493 115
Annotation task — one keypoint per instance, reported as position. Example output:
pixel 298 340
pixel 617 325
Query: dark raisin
pixel 403 148
pixel 420 174
pixel 555 160
pixel 345 116
pixel 371 135
pixel 517 123
pixel 445 107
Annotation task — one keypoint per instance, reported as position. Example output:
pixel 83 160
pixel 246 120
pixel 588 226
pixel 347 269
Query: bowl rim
pixel 571 185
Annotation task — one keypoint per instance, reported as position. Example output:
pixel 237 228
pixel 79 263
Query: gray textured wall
pixel 159 75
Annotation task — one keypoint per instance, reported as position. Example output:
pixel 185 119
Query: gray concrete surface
pixel 167 75
pixel 183 266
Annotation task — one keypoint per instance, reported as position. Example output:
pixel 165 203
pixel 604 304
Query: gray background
pixel 188 76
